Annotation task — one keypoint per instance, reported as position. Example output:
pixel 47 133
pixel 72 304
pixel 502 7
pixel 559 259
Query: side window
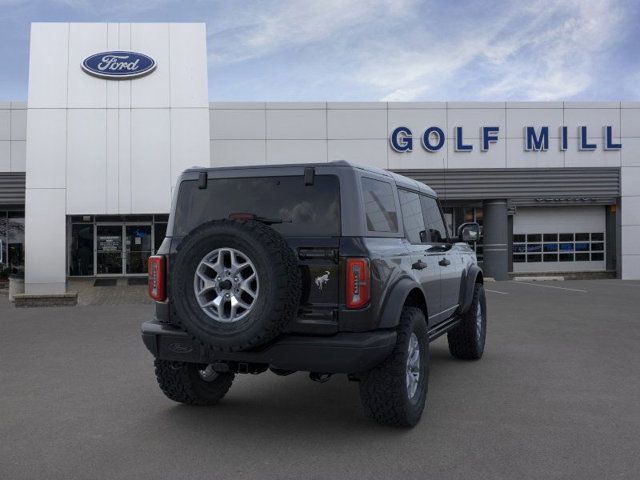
pixel 437 232
pixel 412 216
pixel 380 206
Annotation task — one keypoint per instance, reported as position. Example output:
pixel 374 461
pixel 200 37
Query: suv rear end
pixel 315 209
pixel 325 268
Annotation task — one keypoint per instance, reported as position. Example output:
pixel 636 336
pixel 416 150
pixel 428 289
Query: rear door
pixel 306 214
pixel 424 264
pixel 441 250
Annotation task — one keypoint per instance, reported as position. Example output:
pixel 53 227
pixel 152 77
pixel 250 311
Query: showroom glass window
pixel 12 240
pixel 81 248
pixel 558 247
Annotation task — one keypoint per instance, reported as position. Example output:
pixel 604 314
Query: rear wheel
pixel 466 340
pixel 395 392
pixel 192 383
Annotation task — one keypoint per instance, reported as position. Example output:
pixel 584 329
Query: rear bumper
pixel 340 353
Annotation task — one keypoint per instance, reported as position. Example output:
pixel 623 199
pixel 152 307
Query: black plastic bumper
pixel 339 353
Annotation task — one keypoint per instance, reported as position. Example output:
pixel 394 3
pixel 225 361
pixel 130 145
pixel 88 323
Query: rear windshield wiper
pixel 257 218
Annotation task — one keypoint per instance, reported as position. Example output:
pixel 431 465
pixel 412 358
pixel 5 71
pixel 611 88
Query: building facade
pixel 555 185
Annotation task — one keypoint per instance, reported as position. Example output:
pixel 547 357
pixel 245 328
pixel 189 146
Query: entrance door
pixel 138 247
pixel 109 250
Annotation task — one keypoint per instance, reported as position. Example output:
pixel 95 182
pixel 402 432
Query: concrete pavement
pixel 556 396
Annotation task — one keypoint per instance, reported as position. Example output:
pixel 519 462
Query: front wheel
pixel 192 383
pixel 466 340
pixel 395 392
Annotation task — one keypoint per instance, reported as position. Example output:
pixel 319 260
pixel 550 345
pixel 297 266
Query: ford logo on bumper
pixel 118 65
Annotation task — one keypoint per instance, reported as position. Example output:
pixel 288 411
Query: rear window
pixel 311 210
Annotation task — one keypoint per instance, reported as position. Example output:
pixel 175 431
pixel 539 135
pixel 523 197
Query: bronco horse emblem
pixel 322 280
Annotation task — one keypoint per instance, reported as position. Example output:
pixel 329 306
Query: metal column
pixel 496 239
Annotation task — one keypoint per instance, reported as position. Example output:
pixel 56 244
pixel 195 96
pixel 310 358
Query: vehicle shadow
pixel 294 405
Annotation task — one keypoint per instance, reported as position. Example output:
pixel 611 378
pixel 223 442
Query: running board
pixel 442 328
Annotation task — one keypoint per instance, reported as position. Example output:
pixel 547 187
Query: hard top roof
pixel 400 180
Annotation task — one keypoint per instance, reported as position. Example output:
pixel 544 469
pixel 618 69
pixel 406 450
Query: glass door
pixel 138 247
pixel 109 250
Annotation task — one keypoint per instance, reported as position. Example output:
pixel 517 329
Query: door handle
pixel 419 265
pixel 444 262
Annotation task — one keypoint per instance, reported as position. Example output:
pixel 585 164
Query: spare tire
pixel 234 284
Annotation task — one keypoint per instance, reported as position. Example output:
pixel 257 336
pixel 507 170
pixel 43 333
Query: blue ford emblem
pixel 118 65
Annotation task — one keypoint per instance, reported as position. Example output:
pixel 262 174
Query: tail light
pixel 157 274
pixel 358 285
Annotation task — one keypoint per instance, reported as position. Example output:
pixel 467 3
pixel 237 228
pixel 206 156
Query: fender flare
pixel 396 299
pixel 471 277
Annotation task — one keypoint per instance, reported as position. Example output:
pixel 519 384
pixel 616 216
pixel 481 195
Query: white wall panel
pixel 111 162
pixel 597 158
pixel 18 156
pixel 518 118
pixel 153 90
pixel 45 241
pixel 630 211
pixel 418 158
pixel 47 148
pixel 418 120
pixel 471 119
pixel 559 219
pixel 630 266
pixel 365 152
pixel 48 65
pixel 237 124
pixel 495 157
pixel 630 118
pixel 124 161
pixel 18 124
pixel 188 57
pixel 630 235
pixel 517 157
pixel 113 43
pixel 189 140
pixel 296 124
pixel 124 87
pixel 150 161
pixel 5 124
pixel 593 119
pixel 86 91
pixel 630 153
pixel 294 105
pixel 357 124
pixel 86 161
pixel 296 151
pixel 226 153
pixel 630 181
pixel 5 156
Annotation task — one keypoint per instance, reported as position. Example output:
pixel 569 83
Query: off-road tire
pixel 466 340
pixel 181 382
pixel 278 272
pixel 383 390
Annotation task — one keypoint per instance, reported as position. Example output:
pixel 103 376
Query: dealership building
pixel 116 111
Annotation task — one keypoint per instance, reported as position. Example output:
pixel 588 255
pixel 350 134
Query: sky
pixel 377 50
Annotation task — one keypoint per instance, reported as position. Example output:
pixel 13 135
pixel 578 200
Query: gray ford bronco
pixel 324 268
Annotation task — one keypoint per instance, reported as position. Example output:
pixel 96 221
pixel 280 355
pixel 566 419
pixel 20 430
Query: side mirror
pixel 469 232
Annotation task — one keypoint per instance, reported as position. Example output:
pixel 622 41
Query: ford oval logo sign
pixel 118 65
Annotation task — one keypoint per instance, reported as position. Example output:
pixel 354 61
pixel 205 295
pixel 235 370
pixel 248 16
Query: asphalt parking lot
pixel 557 395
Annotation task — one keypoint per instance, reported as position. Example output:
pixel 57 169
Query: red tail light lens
pixel 358 285
pixel 157 271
